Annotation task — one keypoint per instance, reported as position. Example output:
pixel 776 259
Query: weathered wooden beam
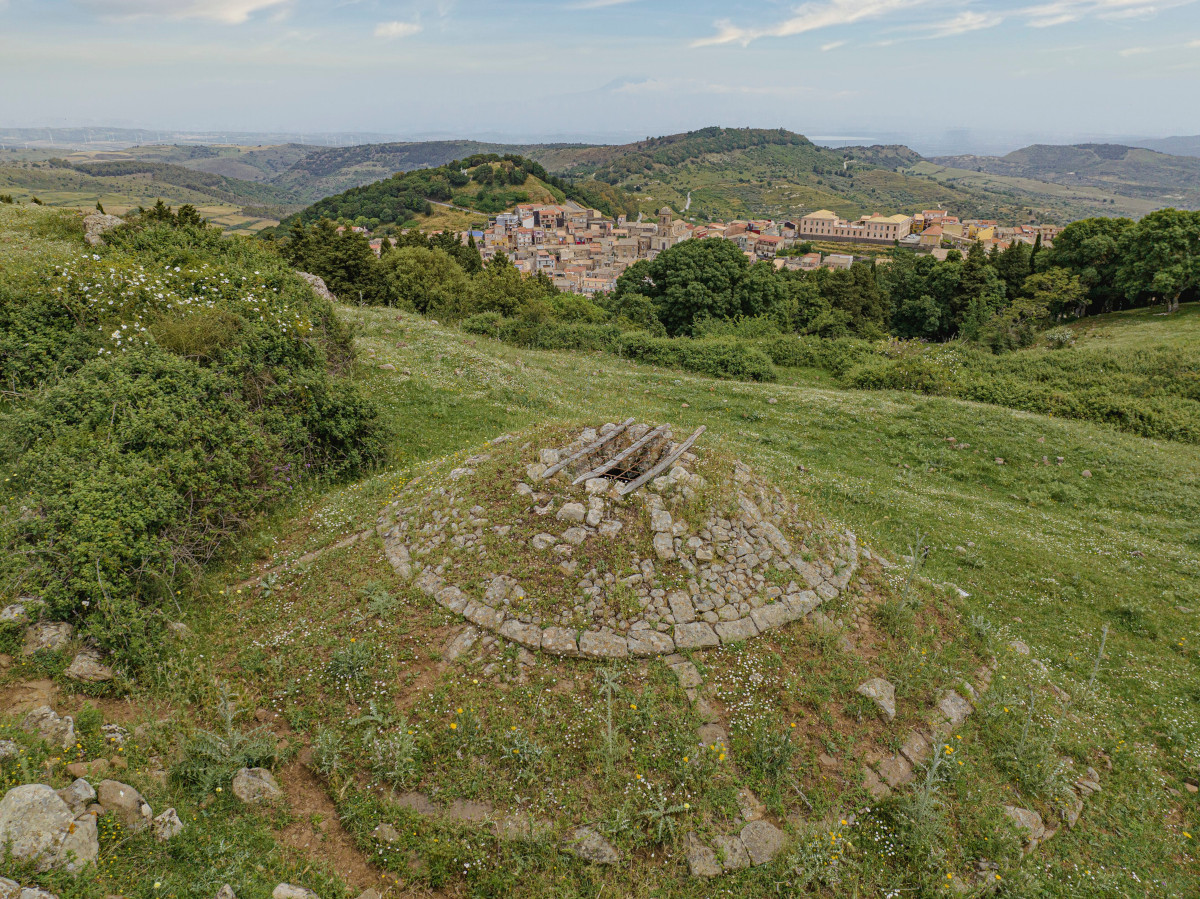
pixel 590 448
pixel 619 457
pixel 663 463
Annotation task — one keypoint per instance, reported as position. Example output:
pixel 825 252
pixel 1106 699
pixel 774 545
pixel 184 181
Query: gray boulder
pixel 762 840
pixel 125 804
pixel 96 224
pixel 588 845
pixel 78 796
pixel 38 827
pixel 317 283
pixel 49 635
pixel 882 693
pixel 255 786
pixel 58 730
pixel 89 666
pixel 291 891
pixel 167 825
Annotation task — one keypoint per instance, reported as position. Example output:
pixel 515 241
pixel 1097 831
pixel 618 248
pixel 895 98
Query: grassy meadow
pixel 319 655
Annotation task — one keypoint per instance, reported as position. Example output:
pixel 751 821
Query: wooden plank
pixel 624 454
pixel 590 448
pixel 653 472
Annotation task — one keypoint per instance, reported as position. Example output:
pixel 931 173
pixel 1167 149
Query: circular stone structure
pixel 612 542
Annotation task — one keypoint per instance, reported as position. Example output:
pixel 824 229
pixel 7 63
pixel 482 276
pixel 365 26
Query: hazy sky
pixel 605 67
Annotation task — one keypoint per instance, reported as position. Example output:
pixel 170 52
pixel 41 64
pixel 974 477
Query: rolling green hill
pixel 127 183
pixel 1125 171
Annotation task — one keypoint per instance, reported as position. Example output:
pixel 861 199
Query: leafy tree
pixel 188 217
pixel 499 287
pixel 1013 265
pixel 1090 248
pixel 1160 257
pixel 427 281
pixel 1058 291
pixel 917 317
pixel 345 261
pixel 691 280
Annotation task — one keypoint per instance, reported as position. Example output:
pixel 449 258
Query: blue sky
pixel 606 68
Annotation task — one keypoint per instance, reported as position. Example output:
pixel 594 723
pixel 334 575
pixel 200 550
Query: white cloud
pixel 228 12
pixel 599 4
pixel 1133 51
pixel 1061 12
pixel 832 45
pixel 819 14
pixel 964 23
pixel 808 17
pixel 397 29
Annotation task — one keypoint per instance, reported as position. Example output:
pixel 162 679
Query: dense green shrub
pixel 165 388
pixel 836 356
pixel 718 357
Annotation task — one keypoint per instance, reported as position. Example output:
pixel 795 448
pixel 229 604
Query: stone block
pixel 595 645
pixel 896 771
pixel 695 635
pixel 646 643
pixel 763 841
pixel 528 635
pixel 737 630
pixel 560 641
pixel 681 607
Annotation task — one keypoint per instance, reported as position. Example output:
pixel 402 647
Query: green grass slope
pixel 332 649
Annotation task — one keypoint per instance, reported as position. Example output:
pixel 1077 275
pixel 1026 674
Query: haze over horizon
pixel 941 76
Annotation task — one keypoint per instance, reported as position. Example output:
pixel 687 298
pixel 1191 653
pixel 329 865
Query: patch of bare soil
pixel 318 832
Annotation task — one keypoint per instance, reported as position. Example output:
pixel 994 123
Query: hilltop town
pixel 584 251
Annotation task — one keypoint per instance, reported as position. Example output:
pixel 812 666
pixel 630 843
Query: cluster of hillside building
pixel 584 251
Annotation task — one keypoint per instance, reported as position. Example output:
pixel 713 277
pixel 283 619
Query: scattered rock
pixel 882 693
pixel 91 769
pixel 1018 647
pixel 386 833
pixel 664 546
pixel 37 827
pixel 896 771
pixel 89 666
pixel 96 224
pixel 318 285
pixel 226 892
pixel 1028 821
pixel 1086 473
pixel 574 512
pixel 702 861
pixel 762 840
pixel 51 727
pixel 78 796
pixel 588 845
pixel 732 851
pixel 291 891
pixel 48 635
pixel 9 749
pixel 14 614
pixel 125 803
pixel 955 708
pixel 255 786
pixel 873 785
pixel 167 825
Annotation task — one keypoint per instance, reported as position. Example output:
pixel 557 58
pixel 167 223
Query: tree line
pixel 998 299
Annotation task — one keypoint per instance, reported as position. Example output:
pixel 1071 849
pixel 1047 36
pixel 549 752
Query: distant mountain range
pixel 1167 180
pixel 711 173
pixel 1176 146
